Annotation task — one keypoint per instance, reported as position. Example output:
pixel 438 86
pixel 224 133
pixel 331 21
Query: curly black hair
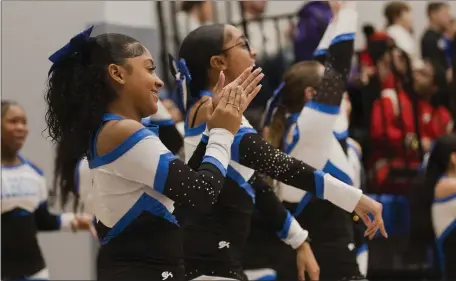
pixel 77 96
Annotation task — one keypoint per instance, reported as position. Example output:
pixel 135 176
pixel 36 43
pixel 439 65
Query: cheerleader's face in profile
pixel 14 128
pixel 137 83
pixel 235 56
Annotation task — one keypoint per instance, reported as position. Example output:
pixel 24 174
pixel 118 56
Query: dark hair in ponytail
pixel 422 198
pixel 300 76
pixel 77 97
pixel 197 49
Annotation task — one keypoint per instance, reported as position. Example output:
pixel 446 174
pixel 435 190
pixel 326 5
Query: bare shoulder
pixel 114 133
pixel 445 187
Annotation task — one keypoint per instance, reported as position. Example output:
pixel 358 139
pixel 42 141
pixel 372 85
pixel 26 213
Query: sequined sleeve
pixel 150 163
pixel 279 218
pixel 317 120
pixel 254 152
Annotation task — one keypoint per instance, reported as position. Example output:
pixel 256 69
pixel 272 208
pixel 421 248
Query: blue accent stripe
pixel 288 148
pixel 343 37
pixel 161 175
pixel 214 161
pixel 235 154
pixel 195 131
pixel 20 213
pixel 268 277
pixel 283 233
pixel 205 138
pixel 239 179
pixel 362 249
pixel 331 169
pixel 440 244
pixel 302 204
pixel 324 108
pixel 319 178
pixel 144 204
pixel 341 135
pixel 164 122
pixel 125 146
pixel 320 52
pixel 76 176
pixel 445 199
pixel 205 93
pixel 353 148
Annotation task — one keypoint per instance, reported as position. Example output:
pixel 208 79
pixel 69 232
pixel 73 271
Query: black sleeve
pixel 171 138
pixel 45 221
pixel 430 51
pixel 267 203
pixel 197 156
pixel 196 189
pixel 337 68
pixel 259 155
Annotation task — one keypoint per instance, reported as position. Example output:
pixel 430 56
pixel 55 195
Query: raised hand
pixel 248 81
pixel 228 114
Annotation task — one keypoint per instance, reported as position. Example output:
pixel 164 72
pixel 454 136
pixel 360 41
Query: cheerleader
pixel 99 90
pixel 24 203
pixel 434 205
pixel 213 245
pixel 309 105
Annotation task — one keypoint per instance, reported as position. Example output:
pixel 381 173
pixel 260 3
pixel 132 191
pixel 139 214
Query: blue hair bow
pixel 76 45
pixel 273 102
pixel 180 71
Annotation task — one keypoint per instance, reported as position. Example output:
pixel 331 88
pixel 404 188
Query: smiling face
pixel 138 83
pixel 14 129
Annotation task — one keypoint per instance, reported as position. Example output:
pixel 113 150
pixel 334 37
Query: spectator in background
pixel 433 43
pixel 193 15
pixel 314 18
pixel 393 124
pixel 400 28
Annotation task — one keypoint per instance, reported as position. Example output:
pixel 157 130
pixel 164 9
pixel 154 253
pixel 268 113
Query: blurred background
pixel 282 33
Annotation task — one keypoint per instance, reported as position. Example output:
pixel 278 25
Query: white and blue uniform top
pixel 444 223
pixel 135 188
pixel 316 130
pixel 318 135
pixel 25 212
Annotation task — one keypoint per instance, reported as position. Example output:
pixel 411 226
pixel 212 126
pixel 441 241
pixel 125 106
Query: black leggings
pixel 265 250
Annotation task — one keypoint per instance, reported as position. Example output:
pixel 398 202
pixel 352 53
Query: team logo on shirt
pixel 166 275
pixel 224 244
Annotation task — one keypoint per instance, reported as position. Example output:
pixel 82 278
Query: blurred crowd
pixel 401 96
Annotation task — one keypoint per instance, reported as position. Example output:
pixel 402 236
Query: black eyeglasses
pixel 244 44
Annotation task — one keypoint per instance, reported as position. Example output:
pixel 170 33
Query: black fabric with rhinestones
pixel 337 67
pixel 259 155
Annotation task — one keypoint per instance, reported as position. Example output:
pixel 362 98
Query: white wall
pixel 31 31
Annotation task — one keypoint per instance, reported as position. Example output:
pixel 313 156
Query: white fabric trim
pixel 341 194
pixel 219 145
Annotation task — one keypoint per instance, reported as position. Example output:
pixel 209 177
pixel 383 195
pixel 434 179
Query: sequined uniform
pixel 24 213
pixel 135 187
pixel 229 222
pixel 319 134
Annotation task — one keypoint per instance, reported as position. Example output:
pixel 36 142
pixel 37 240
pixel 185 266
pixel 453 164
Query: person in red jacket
pixel 394 131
